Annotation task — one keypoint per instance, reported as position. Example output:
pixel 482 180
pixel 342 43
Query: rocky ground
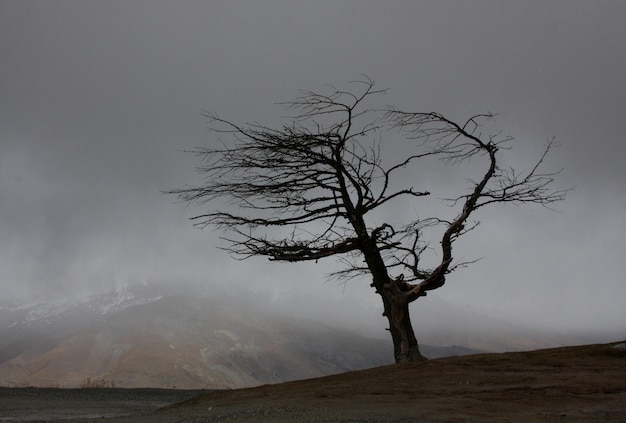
pixel 573 384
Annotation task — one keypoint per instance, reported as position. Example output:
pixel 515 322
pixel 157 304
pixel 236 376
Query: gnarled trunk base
pixel 405 343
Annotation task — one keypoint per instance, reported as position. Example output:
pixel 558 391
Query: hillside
pixel 180 341
pixel 582 384
pixel 573 384
pixel 175 337
pixel 185 337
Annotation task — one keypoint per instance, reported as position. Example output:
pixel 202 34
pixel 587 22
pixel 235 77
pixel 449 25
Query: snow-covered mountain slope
pixel 168 335
pixel 144 336
pixel 37 325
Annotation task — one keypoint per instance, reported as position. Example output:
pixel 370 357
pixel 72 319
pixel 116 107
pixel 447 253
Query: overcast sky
pixel 99 98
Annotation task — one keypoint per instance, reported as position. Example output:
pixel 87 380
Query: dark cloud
pixel 98 99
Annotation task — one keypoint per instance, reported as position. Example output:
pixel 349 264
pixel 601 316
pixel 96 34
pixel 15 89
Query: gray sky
pixel 97 100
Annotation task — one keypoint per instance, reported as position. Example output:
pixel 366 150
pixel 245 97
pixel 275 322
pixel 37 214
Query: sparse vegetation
pixel 97 383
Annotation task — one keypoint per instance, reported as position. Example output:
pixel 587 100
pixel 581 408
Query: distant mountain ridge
pixel 42 323
pixel 166 335
pixel 146 336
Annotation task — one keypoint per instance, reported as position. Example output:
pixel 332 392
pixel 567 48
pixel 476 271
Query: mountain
pixel 37 326
pixel 184 336
pixel 142 336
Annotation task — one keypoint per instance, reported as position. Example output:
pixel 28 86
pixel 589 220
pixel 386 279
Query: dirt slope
pixel 572 384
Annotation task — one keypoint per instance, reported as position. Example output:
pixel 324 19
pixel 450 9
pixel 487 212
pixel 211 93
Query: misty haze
pixel 106 283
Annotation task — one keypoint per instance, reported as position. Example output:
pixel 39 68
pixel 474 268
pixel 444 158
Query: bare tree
pixel 306 191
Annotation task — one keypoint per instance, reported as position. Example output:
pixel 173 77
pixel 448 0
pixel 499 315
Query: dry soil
pixel 571 384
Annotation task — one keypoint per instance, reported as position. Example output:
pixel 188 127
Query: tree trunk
pixel 405 344
pixel 396 305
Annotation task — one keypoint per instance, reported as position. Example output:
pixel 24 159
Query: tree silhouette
pixel 310 190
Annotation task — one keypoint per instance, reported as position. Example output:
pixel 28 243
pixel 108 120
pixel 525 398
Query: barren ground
pixel 572 384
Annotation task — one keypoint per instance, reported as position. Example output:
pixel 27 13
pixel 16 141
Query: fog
pixel 98 100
